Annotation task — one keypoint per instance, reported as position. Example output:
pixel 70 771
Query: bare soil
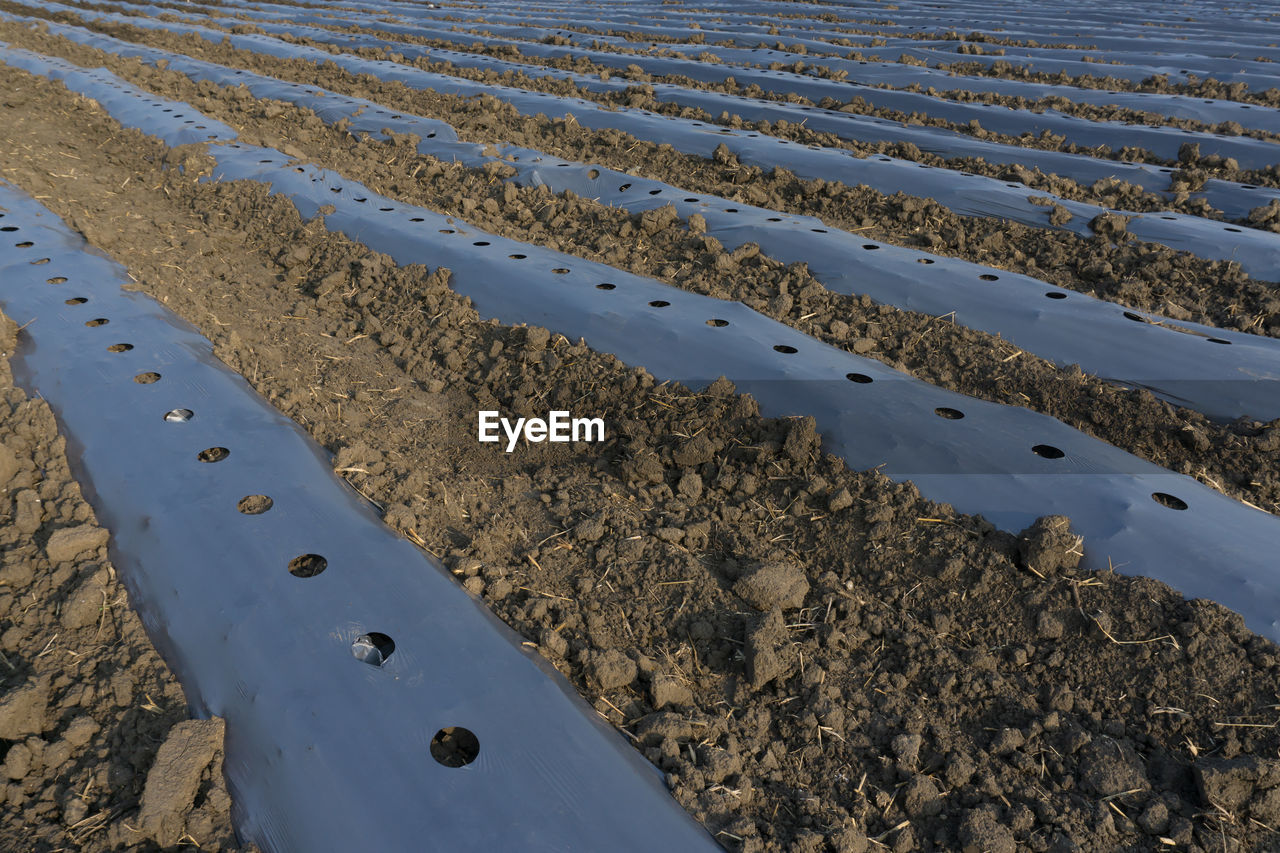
pixel 85 700
pixel 817 658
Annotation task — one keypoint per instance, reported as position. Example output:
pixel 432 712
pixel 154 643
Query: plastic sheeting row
pixel 324 751
pixel 1162 141
pixel 1007 463
pixel 1211 35
pixel 1234 200
pixel 1258 252
pixel 1223 374
pixel 896 74
pixel 1107 54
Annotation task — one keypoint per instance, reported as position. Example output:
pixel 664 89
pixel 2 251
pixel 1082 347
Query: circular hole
pixel 1129 315
pixel 1218 341
pixel 40 261
pixel 178 416
pixel 924 260
pixel 1168 500
pixel 870 246
pixel 147 378
pixel 775 218
pixel 517 257
pixel 373 648
pixel 307 565
pixel 57 279
pixel 860 378
pixel 9 228
pixel 119 347
pixel 948 413
pixel 254 504
pixel 818 230
pixel 593 173
pixel 25 244
pixel 1048 451
pixel 784 348
pixel 1056 295
pixel 416 219
pixel 79 300
pixel 480 243
pixel 446 231
pixel 606 286
pixel 560 270
pixel 1234 230
pixel 100 321
pixel 455 746
pixel 213 454
pixel 717 322
pixel 659 303
pixel 652 192
pixel 626 187
pixel 989 277
pixel 1171 218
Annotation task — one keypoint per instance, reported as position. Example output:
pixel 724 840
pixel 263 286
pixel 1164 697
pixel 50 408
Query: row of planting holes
pixel 1053 294
pixel 142 97
pixel 453 746
pixel 1043 450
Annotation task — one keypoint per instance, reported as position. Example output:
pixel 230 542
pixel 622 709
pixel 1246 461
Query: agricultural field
pixel 544 425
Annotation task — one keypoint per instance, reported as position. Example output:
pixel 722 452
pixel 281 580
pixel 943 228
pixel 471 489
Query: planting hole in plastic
pixel 373 648
pixel 119 347
pixel 178 416
pixel 455 746
pixel 213 454
pixel 254 504
pixel 860 378
pixel 1168 500
pixel 1047 451
pixel 148 378
pixel 948 413
pixel 307 565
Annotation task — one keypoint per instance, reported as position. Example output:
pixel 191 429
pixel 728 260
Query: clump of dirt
pixel 912 681
pixel 85 701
